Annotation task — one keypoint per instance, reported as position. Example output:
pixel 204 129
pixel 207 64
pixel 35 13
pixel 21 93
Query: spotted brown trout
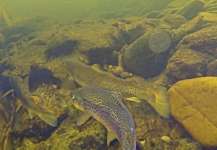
pixel 21 88
pixel 89 76
pixel 107 108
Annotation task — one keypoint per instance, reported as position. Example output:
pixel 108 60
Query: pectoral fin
pixel 133 99
pixel 117 95
pixel 47 115
pixel 31 113
pixel 83 118
pixel 110 137
pixel 49 119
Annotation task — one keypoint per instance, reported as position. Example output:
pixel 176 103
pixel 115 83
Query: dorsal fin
pixel 96 67
pixel 117 95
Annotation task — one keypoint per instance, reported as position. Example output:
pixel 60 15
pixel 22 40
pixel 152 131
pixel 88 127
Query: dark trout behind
pixel 21 88
pixel 107 107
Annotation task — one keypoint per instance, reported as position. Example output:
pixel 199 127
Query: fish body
pixel 88 76
pixel 21 88
pixel 106 107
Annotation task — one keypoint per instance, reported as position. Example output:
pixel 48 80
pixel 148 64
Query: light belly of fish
pixel 88 76
pixel 107 108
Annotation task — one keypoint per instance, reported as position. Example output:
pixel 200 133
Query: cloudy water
pixel 108 74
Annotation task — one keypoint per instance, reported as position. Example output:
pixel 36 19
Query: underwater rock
pixel 2 53
pixel 118 71
pixel 212 68
pixel 174 20
pixel 193 25
pixel 2 21
pixel 5 20
pixel 91 43
pixel 179 144
pixel 153 14
pixel 177 3
pixel 193 104
pixel 203 41
pixel 210 6
pixel 209 17
pixel 147 55
pixel 2 40
pixel 130 29
pixel 60 48
pixel 191 9
pixel 186 63
pixel 172 7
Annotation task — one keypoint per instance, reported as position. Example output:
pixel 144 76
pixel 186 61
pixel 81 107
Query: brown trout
pixel 107 108
pixel 89 76
pixel 21 88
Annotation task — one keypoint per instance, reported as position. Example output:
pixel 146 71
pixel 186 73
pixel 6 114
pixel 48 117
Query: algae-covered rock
pixel 147 55
pixel 1 41
pixel 209 17
pixel 153 14
pixel 130 29
pixel 203 41
pixel 212 68
pixel 210 6
pixel 186 63
pixel 191 9
pixel 4 18
pixel 193 25
pixel 193 104
pixel 174 20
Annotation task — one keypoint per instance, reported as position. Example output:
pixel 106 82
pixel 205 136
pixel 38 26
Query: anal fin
pixel 46 115
pixel 110 137
pixel 133 99
pixel 31 113
pixel 49 119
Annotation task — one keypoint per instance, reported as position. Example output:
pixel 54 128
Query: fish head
pixel 129 139
pixel 77 100
pixel 70 64
pixel 13 80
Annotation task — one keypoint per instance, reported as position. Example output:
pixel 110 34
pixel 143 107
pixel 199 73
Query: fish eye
pixel 73 97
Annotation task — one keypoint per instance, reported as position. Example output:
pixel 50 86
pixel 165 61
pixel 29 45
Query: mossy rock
pixel 193 104
pixel 147 55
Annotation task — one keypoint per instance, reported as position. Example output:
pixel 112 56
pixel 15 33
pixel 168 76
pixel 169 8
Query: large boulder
pixel 203 41
pixel 147 55
pixel 193 104
pixel 185 64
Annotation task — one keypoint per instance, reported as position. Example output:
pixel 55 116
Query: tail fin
pixel 160 104
pixel 49 117
pixel 45 114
